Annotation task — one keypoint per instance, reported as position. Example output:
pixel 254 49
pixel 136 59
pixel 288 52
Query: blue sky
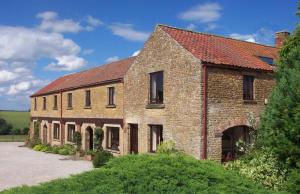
pixel 41 40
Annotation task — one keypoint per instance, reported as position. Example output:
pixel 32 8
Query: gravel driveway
pixel 23 166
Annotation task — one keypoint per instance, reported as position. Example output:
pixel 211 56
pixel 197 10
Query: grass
pixel 17 119
pixel 151 174
pixel 12 138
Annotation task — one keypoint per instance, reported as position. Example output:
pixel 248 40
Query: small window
pixel 35 104
pixel 56 130
pixel 70 103
pixel 156 88
pixel 71 131
pixel 44 103
pixel 156 136
pixel 55 102
pixel 88 98
pixel 112 138
pixel 111 96
pixel 267 60
pixel 248 87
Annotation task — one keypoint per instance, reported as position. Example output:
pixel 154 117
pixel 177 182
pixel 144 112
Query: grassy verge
pixel 19 120
pixel 151 174
pixel 12 138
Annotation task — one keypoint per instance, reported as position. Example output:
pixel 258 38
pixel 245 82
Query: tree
pixel 5 128
pixel 98 139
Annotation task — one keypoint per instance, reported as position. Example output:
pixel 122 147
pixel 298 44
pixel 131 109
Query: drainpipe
pixel 61 120
pixel 204 113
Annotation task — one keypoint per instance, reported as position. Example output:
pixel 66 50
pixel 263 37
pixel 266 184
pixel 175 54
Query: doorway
pixel 134 149
pixel 89 138
pixel 45 134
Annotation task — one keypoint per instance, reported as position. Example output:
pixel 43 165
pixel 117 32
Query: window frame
pixel 55 102
pixel 70 136
pixel 111 96
pixel 156 99
pixel 44 103
pixel 248 87
pixel 88 100
pixel 35 104
pixel 159 137
pixel 56 134
pixel 109 138
pixel 69 100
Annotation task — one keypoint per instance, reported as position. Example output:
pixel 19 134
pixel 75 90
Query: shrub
pixel 71 149
pixel 262 167
pixel 98 139
pixel 77 140
pixel 38 147
pixel 293 181
pixel 25 131
pixel 55 149
pixel 101 158
pixel 46 148
pixel 91 152
pixel 63 151
pixel 167 147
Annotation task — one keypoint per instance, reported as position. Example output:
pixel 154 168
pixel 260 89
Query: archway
pixel 89 138
pixel 230 137
pixel 45 132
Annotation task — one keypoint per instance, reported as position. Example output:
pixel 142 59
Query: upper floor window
pixel 35 104
pixel 55 102
pixel 156 88
pixel 70 103
pixel 56 130
pixel 248 87
pixel 71 131
pixel 111 96
pixel 44 103
pixel 156 136
pixel 87 98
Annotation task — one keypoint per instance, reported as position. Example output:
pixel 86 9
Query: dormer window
pixel 267 60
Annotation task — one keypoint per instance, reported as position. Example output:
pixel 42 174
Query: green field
pixel 12 138
pixel 17 119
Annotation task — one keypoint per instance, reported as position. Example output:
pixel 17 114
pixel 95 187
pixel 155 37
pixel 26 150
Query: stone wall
pixel 181 117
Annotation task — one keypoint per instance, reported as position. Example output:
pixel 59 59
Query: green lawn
pixel 17 119
pixel 12 138
pixel 151 174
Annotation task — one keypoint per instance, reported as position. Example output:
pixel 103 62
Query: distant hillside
pixel 19 119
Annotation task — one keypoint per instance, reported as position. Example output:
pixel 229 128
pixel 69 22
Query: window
pixel 112 138
pixel 88 98
pixel 56 130
pixel 55 102
pixel 44 103
pixel 111 96
pixel 248 87
pixel 70 103
pixel 156 88
pixel 35 104
pixel 267 60
pixel 156 136
pixel 71 131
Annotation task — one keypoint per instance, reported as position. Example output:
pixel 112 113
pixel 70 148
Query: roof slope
pixel 221 50
pixel 106 73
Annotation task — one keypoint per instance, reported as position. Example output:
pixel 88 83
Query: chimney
pixel 280 37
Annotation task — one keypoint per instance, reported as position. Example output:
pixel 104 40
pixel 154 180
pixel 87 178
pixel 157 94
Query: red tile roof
pixel 103 74
pixel 222 50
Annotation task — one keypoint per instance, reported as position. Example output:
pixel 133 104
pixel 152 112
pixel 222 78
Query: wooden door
pixel 134 139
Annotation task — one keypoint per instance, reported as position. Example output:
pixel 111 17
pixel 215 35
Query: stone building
pixel 202 91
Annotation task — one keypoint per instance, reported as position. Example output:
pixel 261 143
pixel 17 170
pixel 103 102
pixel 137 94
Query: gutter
pixel 204 113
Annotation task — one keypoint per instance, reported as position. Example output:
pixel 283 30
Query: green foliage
pixel 55 149
pixel 101 158
pixel 37 147
pixel 5 128
pixel 98 139
pixel 262 167
pixel 66 149
pixel 160 173
pixel 167 147
pixel 36 135
pixel 18 119
pixel 77 140
pixel 91 152
pixel 63 151
pixel 293 182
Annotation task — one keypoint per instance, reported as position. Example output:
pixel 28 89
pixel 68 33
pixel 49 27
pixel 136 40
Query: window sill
pixel 113 151
pixel 155 106
pixel 70 108
pixel 250 102
pixel 111 106
pixel 55 108
pixel 87 107
pixel 57 140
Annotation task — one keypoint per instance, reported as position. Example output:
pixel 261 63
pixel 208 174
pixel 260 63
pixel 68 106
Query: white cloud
pixel 136 53
pixel 93 21
pixel 112 59
pixel 203 13
pixel 262 35
pixel 246 37
pixel 6 76
pixel 210 27
pixel 51 23
pixel 25 87
pixel 128 32
pixel 87 51
pixel 191 27
pixel 66 63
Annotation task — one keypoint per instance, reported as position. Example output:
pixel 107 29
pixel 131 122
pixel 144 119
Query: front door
pixel 134 138
pixel 45 135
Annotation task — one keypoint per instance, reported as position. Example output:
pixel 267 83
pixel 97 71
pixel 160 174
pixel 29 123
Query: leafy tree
pixel 5 128
pixel 98 139
pixel 77 139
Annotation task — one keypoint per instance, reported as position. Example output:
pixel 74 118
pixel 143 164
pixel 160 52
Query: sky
pixel 41 40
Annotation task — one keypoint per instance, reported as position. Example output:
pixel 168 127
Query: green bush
pixel 38 147
pixel 262 167
pixel 167 147
pixel 77 140
pixel 46 148
pixel 159 173
pixel 55 149
pixel 293 181
pixel 98 139
pixel 101 158
pixel 63 151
